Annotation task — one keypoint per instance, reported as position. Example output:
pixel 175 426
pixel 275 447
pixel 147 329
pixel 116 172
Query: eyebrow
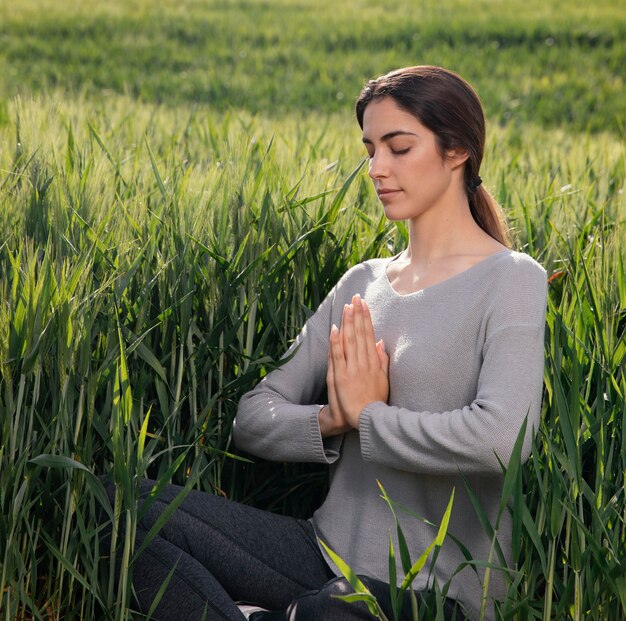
pixel 390 135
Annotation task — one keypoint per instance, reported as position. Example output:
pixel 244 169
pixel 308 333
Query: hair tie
pixel 474 183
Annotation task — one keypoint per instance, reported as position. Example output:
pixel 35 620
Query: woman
pixel 416 371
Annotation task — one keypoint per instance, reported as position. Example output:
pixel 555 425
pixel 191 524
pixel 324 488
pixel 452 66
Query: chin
pixel 397 214
pixel 395 218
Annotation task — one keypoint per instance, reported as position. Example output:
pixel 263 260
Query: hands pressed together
pixel 358 370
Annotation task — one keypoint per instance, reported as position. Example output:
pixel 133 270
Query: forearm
pixel 268 426
pixel 473 438
pixel 442 443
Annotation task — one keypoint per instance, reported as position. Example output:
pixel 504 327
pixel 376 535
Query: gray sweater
pixel 466 368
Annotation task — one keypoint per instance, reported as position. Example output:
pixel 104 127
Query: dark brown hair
pixel 447 105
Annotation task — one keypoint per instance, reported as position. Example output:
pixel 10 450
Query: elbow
pixel 250 425
pixel 236 433
pixel 504 454
pixel 241 432
pixel 510 447
pixel 243 437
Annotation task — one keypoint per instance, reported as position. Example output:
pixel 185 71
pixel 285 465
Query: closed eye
pixel 393 152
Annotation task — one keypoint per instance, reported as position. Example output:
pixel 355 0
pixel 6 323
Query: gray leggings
pixel 226 552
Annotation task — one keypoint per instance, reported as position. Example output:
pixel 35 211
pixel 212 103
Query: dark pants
pixel 226 552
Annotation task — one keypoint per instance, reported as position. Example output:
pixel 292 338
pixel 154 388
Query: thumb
pixel 383 357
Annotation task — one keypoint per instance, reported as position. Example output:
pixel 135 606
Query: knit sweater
pixel 466 369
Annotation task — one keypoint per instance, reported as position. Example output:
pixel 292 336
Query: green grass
pixel 551 63
pixel 155 263
pixel 160 248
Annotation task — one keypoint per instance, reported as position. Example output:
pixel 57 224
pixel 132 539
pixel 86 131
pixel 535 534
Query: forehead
pixel 383 116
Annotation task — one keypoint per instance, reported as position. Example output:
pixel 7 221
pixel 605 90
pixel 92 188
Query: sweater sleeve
pixel 472 438
pixel 278 419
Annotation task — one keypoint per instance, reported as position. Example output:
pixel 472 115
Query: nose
pixel 378 166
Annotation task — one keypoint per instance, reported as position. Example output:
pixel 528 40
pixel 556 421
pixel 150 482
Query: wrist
pixel 356 414
pixel 324 420
pixel 328 423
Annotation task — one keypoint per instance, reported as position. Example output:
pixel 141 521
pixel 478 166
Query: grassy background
pixel 180 185
pixel 555 63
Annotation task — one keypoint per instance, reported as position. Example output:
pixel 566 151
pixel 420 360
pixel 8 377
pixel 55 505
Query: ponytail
pixel 489 215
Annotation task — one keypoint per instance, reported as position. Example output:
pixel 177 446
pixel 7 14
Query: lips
pixel 387 192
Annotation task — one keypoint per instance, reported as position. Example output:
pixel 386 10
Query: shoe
pixel 249 610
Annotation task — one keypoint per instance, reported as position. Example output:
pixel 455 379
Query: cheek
pixel 425 164
pixel 419 167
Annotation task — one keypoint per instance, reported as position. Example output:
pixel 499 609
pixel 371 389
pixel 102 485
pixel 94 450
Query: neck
pixel 448 229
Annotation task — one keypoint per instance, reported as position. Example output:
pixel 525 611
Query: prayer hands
pixel 358 370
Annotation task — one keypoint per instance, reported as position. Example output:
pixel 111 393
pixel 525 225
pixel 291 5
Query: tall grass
pixel 155 264
pixel 542 61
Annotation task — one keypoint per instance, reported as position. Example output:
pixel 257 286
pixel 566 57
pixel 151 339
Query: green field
pixel 181 183
pixel 555 63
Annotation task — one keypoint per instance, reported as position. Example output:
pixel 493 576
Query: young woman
pixel 416 371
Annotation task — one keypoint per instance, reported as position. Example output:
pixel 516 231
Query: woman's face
pixel 409 174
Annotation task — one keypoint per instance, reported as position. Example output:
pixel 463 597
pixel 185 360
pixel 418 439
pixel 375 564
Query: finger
pixel 344 316
pixel 383 356
pixel 336 349
pixel 330 384
pixel 370 338
pixel 347 331
pixel 359 328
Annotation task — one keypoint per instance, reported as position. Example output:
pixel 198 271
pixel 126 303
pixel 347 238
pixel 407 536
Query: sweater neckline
pixel 442 283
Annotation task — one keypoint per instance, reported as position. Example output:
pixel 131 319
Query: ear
pixel 457 156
